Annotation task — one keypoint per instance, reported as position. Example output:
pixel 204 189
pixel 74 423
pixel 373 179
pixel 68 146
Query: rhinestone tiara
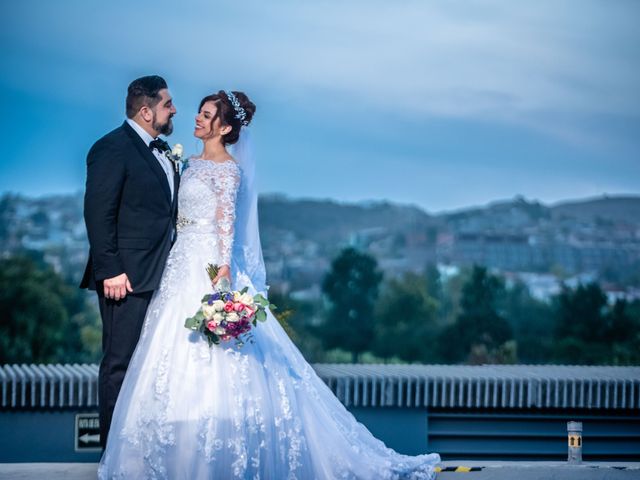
pixel 240 113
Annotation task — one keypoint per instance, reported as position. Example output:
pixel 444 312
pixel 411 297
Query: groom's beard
pixel 165 128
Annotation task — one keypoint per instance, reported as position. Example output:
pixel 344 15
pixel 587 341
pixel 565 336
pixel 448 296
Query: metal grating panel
pixel 484 386
pixel 438 386
pixel 24 386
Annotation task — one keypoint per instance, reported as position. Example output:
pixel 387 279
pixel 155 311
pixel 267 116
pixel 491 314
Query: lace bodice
pixel 207 199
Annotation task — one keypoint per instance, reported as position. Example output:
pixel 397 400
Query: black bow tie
pixel 160 145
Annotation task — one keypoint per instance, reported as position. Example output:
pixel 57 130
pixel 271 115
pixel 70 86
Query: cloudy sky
pixel 438 104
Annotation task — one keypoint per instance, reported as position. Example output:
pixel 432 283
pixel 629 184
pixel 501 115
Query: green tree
pixel 480 331
pixel 532 323
pixel 591 332
pixel 433 281
pixel 43 319
pixel 449 304
pixel 406 320
pixel 580 325
pixel 623 333
pixel 296 317
pixel 351 287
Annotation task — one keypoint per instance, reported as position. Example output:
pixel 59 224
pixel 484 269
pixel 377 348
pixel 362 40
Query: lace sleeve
pixel 226 189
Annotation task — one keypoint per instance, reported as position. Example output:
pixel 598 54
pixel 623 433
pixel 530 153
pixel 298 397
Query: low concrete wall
pixel 484 412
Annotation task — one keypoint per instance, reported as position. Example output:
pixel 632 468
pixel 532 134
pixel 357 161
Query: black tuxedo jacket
pixel 128 211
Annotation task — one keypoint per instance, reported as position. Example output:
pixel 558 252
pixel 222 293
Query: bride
pixel 188 411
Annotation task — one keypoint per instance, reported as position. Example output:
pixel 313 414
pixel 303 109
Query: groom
pixel 130 209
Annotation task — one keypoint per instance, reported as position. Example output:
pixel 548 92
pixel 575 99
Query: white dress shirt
pixel 165 163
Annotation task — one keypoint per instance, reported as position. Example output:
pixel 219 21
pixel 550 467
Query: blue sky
pixel 438 104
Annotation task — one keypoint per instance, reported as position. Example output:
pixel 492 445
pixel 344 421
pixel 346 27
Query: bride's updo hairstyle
pixel 229 114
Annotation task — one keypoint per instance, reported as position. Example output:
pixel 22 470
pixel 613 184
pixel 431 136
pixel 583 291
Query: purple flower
pixel 216 296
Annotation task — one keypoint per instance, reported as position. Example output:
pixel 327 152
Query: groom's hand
pixel 117 287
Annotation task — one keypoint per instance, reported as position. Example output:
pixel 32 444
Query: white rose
pixel 218 317
pixel 208 311
pixel 232 317
pixel 177 150
pixel 219 331
pixel 218 305
pixel 246 299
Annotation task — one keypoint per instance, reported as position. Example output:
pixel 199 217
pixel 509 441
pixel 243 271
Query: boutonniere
pixel 176 158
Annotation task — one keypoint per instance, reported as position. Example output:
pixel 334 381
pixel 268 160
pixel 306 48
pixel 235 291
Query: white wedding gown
pixel 187 411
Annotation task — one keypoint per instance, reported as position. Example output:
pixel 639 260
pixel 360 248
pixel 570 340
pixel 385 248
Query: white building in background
pixel 542 286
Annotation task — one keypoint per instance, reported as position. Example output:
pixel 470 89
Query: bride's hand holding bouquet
pixel 227 314
pixel 216 274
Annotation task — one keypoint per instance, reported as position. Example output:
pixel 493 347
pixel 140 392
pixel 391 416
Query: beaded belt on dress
pixel 205 225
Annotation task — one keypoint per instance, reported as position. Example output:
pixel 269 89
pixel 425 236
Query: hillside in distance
pixel 300 237
pixel 615 208
pixel 329 221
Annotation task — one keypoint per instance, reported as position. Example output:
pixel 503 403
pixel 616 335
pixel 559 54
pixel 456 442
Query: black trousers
pixel 121 325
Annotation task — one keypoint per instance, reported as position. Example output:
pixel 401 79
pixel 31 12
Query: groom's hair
pixel 144 91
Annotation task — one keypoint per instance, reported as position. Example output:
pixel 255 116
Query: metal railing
pixel 442 386
pixel 484 386
pixel 23 386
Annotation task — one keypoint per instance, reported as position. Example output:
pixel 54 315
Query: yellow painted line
pixel 458 469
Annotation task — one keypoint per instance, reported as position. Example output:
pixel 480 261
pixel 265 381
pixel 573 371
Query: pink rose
pixel 228 306
pixel 238 307
pixel 211 325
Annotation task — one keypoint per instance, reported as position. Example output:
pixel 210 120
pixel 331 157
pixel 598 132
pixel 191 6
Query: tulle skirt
pixel 188 411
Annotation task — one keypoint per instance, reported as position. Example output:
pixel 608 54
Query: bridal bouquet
pixel 226 314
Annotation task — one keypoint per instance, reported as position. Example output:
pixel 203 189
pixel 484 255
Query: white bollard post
pixel 574 429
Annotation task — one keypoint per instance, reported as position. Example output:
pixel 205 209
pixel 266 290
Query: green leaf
pixel 192 323
pixel 212 338
pixel 261 315
pixel 244 290
pixel 260 300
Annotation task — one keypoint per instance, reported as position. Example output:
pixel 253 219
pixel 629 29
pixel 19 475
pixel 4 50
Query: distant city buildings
pixel 520 252
pixel 526 241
